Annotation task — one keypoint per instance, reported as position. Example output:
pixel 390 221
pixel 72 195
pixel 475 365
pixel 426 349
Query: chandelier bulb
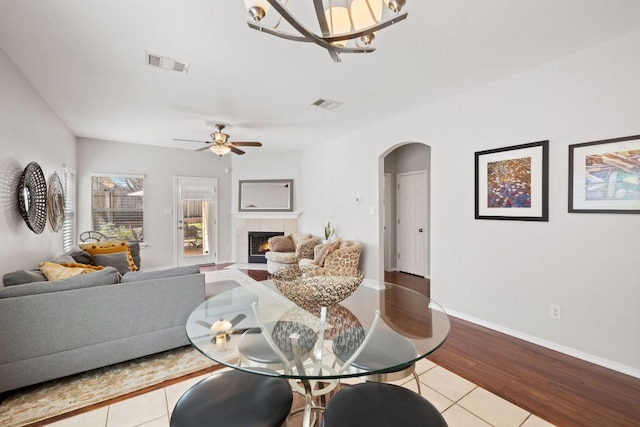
pixel 256 13
pixel 367 39
pixel 396 5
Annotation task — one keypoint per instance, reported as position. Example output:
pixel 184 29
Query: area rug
pixel 53 398
pixel 252 266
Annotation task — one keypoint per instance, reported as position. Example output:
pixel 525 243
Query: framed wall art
pixel 512 183
pixel 604 176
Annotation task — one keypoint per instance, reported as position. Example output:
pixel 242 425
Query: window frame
pixel 93 208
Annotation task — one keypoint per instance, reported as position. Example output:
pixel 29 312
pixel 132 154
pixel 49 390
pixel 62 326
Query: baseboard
pixel 615 366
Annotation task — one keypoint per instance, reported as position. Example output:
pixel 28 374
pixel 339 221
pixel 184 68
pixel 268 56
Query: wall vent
pixel 166 63
pixel 327 104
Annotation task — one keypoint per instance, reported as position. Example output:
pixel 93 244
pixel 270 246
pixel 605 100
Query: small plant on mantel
pixel 328 231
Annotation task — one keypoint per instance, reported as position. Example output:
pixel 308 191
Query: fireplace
pixel 259 244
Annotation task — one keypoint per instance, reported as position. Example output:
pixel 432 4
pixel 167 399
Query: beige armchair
pixel 340 258
pixel 329 278
pixel 285 264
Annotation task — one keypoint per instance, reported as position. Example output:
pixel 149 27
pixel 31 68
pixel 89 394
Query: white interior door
pixel 386 218
pixel 412 224
pixel 196 220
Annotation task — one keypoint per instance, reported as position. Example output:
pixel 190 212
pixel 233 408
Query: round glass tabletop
pixel 377 329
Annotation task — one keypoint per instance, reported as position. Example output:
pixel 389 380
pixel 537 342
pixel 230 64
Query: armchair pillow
pixel 282 244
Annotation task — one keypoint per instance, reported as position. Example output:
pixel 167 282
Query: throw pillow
pixel 282 244
pixel 331 248
pixel 319 252
pixel 79 255
pixel 109 247
pixel 23 276
pixel 81 265
pixel 55 271
pixel 64 258
pixel 118 260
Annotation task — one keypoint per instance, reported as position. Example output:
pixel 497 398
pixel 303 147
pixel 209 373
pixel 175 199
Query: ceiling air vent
pixel 166 63
pixel 327 104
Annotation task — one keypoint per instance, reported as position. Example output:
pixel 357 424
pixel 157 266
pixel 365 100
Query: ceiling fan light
pixel 257 8
pixel 220 150
pixel 219 137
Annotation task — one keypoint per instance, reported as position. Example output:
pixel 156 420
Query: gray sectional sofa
pixel 54 329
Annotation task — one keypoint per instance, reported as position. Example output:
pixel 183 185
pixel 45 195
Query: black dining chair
pixel 380 405
pixel 234 398
pixel 385 348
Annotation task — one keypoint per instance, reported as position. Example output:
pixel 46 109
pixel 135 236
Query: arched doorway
pixel 405 237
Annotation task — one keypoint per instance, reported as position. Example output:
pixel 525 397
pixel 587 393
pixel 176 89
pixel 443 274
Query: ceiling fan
pixel 221 144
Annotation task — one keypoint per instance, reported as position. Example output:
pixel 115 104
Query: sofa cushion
pixel 55 271
pixel 118 260
pixel 109 247
pixel 282 244
pixel 137 276
pixel 106 276
pixel 20 277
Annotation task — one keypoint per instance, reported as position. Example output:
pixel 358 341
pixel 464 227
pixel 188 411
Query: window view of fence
pixel 117 206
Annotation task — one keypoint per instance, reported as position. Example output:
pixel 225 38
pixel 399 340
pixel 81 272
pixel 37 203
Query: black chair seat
pixel 386 348
pixel 255 350
pixel 380 405
pixel 234 398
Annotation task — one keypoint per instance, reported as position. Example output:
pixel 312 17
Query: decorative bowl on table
pixel 318 290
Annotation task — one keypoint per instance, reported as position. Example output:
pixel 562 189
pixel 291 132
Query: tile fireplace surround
pixel 286 222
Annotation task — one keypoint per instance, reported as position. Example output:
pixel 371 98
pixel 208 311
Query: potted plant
pixel 328 232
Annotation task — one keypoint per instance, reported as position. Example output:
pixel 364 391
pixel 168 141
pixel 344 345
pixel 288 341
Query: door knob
pixel 420 230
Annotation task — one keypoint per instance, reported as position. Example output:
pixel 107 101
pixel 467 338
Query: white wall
pixel 159 166
pixel 506 273
pixel 29 132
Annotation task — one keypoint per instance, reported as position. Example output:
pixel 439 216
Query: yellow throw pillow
pixel 79 265
pixel 109 247
pixel 53 271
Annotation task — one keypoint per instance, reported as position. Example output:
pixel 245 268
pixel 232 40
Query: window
pixel 69 224
pixel 117 206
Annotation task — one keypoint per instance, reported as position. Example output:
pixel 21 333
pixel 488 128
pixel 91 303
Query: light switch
pixel 372 210
pixel 167 211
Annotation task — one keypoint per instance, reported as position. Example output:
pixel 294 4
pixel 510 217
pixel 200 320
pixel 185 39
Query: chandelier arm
pixel 294 22
pixel 306 34
pixel 279 33
pixel 322 18
pixel 365 31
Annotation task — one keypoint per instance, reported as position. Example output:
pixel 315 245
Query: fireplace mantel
pixel 266 215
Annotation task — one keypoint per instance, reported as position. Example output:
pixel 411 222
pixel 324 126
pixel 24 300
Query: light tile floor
pixel 462 404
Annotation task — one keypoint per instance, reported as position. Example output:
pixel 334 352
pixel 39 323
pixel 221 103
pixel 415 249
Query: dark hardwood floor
pixel 558 388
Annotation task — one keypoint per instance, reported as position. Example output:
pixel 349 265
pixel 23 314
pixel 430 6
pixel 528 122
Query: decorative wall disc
pixel 55 202
pixel 32 197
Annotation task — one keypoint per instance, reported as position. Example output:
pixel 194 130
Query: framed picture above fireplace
pixel 265 195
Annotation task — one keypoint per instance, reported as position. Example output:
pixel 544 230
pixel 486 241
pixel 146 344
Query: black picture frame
pixel 604 176
pixel 512 183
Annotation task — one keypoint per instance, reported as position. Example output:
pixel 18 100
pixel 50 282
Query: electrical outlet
pixel 555 312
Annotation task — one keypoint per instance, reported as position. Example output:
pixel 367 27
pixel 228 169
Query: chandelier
pixel 340 26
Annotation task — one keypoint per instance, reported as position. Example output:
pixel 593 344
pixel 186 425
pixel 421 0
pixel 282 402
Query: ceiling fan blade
pixel 236 150
pixel 247 144
pixel 203 148
pixel 191 140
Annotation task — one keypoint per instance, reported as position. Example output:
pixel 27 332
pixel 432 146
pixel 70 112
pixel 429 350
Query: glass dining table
pixel 380 329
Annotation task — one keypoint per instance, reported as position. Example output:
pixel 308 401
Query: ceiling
pixel 87 60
